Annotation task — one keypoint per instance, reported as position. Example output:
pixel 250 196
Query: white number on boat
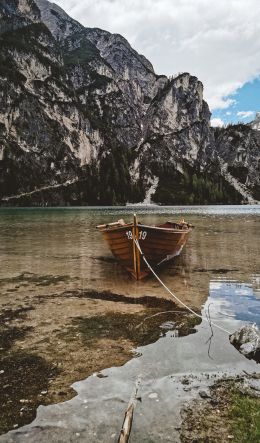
pixel 142 235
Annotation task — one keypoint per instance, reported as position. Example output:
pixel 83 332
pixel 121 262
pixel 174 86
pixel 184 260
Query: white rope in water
pixel 174 296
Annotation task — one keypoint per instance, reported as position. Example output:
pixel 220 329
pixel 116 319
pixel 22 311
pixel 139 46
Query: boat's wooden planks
pixel 148 241
pixel 159 248
pixel 119 243
pixel 165 236
pixel 160 245
pixel 116 235
pixel 152 233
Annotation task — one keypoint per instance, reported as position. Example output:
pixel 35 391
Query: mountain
pixel 85 120
pixel 255 124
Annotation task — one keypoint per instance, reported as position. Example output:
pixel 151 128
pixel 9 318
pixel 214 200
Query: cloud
pixel 245 114
pixel 216 122
pixel 218 41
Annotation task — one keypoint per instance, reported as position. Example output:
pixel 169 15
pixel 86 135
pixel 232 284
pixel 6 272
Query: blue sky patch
pixel 247 103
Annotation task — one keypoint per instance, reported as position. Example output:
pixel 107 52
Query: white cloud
pixel 228 113
pixel 216 122
pixel 245 114
pixel 218 41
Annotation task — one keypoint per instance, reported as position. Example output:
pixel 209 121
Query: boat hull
pixel 157 244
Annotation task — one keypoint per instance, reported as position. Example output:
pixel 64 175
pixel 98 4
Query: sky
pixel 216 40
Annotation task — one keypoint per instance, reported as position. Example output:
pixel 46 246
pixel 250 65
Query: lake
pixel 69 311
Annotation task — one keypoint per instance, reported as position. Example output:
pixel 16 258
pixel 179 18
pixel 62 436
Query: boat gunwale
pixel 167 229
pixel 130 225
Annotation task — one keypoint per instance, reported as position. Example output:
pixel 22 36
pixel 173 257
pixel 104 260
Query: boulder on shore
pixel 247 341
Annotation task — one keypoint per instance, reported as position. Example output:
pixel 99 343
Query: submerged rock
pixel 247 341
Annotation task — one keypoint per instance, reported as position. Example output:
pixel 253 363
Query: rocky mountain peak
pixel 60 24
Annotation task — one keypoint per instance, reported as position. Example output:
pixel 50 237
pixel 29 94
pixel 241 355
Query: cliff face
pixel 84 119
pixel 238 148
pixel 255 124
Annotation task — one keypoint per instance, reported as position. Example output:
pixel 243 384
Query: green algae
pixel 140 329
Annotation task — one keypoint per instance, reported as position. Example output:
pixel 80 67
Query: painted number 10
pixel 142 235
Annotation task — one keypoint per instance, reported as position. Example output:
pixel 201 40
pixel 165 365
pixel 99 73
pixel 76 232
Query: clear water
pixel 219 271
pixel 223 248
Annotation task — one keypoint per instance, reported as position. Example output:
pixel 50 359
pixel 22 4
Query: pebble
pixel 204 394
pixel 2 371
pixel 185 381
pixel 153 395
pixel 100 375
pixel 44 392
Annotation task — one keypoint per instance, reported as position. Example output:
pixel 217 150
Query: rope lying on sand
pixel 174 296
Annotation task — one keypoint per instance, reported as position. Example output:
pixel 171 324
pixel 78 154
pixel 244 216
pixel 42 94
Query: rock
pixel 247 341
pixel 254 384
pixel 204 394
pixel 153 395
pixel 187 388
pixel 100 375
pixel 185 381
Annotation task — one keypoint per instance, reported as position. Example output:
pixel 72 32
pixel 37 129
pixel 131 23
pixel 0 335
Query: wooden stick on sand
pixel 129 414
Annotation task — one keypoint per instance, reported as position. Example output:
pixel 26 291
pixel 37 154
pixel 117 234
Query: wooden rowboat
pixel 158 244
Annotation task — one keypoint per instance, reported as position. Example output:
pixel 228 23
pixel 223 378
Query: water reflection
pixel 230 298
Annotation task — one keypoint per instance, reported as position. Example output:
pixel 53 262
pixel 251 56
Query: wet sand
pixel 68 310
pixel 48 343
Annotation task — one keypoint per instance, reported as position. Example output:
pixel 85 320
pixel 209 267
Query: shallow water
pixel 45 252
pixel 64 244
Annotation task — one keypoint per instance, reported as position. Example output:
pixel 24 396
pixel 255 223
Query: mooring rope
pixel 174 296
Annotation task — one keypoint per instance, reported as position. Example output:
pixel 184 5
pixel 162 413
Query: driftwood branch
pixel 129 415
